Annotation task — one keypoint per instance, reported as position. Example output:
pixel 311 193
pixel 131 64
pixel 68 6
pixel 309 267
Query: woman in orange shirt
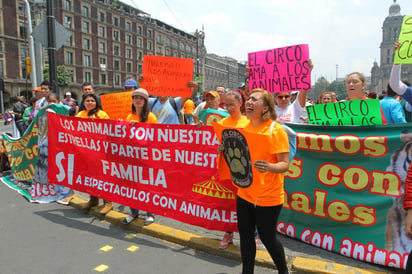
pixel 234 104
pixel 140 113
pixel 259 204
pixel 90 107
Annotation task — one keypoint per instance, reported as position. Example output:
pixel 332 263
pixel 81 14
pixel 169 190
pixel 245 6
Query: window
pixel 116 50
pixel 149 33
pixel 69 42
pixel 128 53
pixel 1 68
pixel 128 39
pixel 102 60
pixel 139 43
pixel 139 69
pixel 149 45
pixel 103 79
pixel 116 65
pixel 101 16
pixel 139 30
pixel 117 80
pixel 87 77
pixel 85 27
pixel 115 21
pixel 102 47
pixel 86 60
pixel 140 56
pixel 85 11
pixel 128 67
pixel 86 43
pixel 68 5
pixel 115 35
pixel 68 22
pixel 22 30
pixel 72 75
pixel 128 26
pixel 69 58
pixel 21 8
pixel 102 31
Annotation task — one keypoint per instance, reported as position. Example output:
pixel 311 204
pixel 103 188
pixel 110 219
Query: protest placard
pixel 404 54
pixel 280 69
pixel 353 112
pixel 167 76
pixel 117 105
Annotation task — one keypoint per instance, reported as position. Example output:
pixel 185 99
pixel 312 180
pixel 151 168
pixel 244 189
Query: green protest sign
pixel 353 112
pixel 404 54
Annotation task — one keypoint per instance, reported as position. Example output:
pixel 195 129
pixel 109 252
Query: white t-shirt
pixel 291 114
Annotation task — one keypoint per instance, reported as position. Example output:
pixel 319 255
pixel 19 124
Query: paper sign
pixel 280 69
pixel 167 76
pixel 117 105
pixel 354 112
pixel 404 54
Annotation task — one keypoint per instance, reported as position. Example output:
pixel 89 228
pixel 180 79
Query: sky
pixel 343 35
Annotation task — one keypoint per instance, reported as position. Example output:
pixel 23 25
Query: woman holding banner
pixel 91 107
pixel 234 104
pixel 259 204
pixel 140 113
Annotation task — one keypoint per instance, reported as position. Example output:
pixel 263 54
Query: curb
pixel 298 264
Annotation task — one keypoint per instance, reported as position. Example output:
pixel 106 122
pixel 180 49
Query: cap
pixel 294 92
pixel 36 89
pixel 130 83
pixel 68 93
pixel 241 85
pixel 372 92
pixel 212 93
pixel 142 92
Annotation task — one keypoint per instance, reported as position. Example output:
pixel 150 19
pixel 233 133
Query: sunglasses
pixel 283 96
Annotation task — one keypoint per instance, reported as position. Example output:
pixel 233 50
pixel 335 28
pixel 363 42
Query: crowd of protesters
pixel 254 111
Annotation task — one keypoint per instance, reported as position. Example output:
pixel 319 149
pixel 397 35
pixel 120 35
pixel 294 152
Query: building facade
pixel 380 74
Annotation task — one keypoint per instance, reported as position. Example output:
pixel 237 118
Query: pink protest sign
pixel 281 69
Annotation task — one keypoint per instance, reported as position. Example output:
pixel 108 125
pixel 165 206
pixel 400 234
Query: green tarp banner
pixel 344 191
pixel 23 152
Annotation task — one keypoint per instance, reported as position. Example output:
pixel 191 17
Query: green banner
pixel 344 191
pixel 404 54
pixel 209 116
pixel 23 152
pixel 353 112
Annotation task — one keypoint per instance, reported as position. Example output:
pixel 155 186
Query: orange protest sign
pixel 167 76
pixel 117 105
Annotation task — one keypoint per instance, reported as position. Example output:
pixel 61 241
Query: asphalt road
pixel 52 238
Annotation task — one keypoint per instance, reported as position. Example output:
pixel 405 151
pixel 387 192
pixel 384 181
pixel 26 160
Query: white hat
pixel 68 94
pixel 142 92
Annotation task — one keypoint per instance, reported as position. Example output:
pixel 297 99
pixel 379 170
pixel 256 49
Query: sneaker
pixel 129 219
pixel 227 239
pixel 149 220
pixel 65 200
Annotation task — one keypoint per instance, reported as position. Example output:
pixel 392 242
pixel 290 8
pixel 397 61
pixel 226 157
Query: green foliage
pixel 64 77
pixel 322 84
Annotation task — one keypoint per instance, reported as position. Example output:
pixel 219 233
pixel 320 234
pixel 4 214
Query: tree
pixel 339 88
pixel 320 85
pixel 64 76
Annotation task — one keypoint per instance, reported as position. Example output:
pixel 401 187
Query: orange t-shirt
pixel 234 123
pixel 151 118
pixel 189 106
pixel 267 187
pixel 100 114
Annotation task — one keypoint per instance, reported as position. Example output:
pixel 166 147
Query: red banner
pixel 167 170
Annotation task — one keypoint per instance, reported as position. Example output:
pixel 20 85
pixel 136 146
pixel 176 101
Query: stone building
pixel 380 74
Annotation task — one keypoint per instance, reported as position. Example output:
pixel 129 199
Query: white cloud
pixel 347 33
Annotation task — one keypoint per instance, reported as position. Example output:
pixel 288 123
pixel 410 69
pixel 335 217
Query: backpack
pixel 291 138
pixel 174 105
